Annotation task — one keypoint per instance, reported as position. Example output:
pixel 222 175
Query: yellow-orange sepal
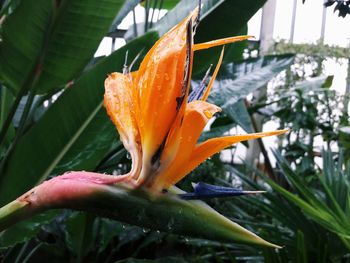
pixel 208 148
pixel 219 42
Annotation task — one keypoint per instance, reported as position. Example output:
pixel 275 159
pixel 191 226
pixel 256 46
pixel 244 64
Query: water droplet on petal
pixel 207 114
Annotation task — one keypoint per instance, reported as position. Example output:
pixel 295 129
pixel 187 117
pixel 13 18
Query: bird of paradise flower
pixel 159 123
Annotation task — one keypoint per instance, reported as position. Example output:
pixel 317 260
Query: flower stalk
pixel 14 212
pixel 165 212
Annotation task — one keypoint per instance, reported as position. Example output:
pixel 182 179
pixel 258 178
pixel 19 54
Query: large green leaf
pixel 25 230
pixel 47 43
pixel 239 113
pixel 209 27
pixel 91 145
pixel 168 4
pixel 80 234
pixel 228 19
pixel 73 134
pixel 237 80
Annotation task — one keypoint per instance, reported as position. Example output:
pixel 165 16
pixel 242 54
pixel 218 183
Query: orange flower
pixel 156 121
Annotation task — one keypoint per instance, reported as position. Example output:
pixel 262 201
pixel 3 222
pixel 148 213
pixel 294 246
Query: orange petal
pixel 197 115
pixel 211 82
pixel 208 148
pixel 162 87
pixel 219 42
pixel 118 100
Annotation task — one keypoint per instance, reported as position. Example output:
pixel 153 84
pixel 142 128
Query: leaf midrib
pixel 69 143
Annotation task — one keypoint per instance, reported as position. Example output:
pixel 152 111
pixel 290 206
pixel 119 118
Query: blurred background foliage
pixel 52 120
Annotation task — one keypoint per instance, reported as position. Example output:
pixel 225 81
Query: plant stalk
pixel 269 168
pixel 14 212
pixel 102 195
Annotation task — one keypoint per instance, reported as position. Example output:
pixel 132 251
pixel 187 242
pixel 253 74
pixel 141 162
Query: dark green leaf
pixel 25 230
pixel 228 19
pixel 239 113
pixel 80 234
pixel 108 230
pixel 167 4
pixel 53 44
pixel 302 255
pixel 236 80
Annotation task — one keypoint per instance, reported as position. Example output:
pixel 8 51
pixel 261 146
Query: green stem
pixel 269 168
pixel 14 212
pixel 165 212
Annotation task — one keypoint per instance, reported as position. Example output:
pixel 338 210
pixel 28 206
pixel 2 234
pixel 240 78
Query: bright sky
pixel 307 23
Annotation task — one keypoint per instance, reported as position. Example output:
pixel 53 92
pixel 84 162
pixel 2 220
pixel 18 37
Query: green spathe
pixel 164 212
